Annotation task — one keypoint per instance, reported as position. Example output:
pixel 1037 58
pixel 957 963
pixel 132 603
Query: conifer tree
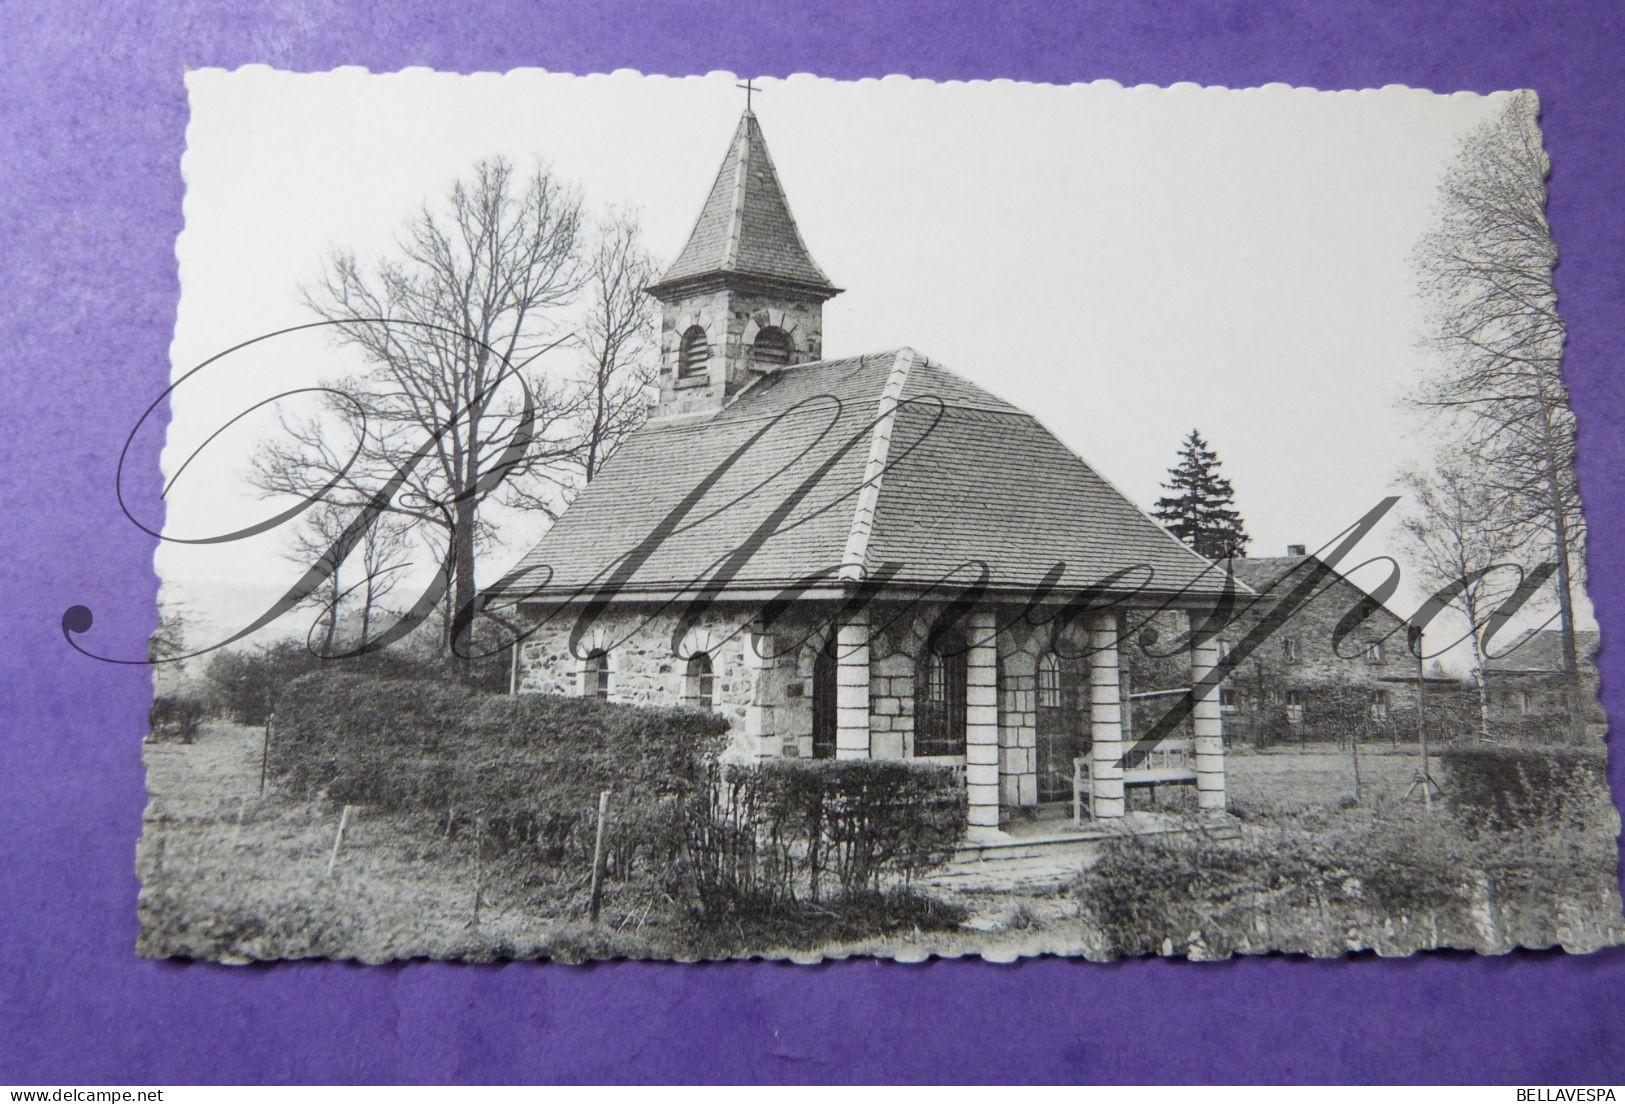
pixel 1198 508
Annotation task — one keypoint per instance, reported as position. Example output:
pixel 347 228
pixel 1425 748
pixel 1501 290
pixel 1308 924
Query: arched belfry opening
pixel 744 297
pixel 693 353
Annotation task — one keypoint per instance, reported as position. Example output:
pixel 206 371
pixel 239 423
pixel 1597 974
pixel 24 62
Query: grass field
pixel 226 870
pixel 1287 780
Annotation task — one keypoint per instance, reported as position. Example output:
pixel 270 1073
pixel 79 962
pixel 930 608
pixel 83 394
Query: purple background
pixel 92 122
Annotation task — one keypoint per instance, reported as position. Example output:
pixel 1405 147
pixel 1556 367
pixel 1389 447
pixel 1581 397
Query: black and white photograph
pixel 622 516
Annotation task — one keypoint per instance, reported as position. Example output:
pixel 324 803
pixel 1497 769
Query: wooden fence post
pixel 338 841
pixel 1354 737
pixel 598 859
pixel 265 754
pixel 479 865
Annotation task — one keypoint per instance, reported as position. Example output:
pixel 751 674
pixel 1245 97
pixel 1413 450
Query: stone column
pixel 982 721
pixel 1105 716
pixel 766 691
pixel 1207 726
pixel 1019 724
pixel 852 688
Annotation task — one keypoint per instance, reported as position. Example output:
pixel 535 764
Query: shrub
pixel 249 684
pixel 807 925
pixel 764 834
pixel 1452 715
pixel 1145 891
pixel 735 839
pixel 174 717
pixel 1297 891
pixel 1262 727
pixel 1497 787
pixel 1409 863
pixel 1339 711
pixel 1532 728
pixel 1396 878
pixel 530 767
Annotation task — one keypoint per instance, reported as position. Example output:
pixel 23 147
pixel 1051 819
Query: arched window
pixel 1062 724
pixel 698 682
pixel 595 675
pixel 1049 681
pixel 823 702
pixel 771 349
pixel 939 698
pixel 693 353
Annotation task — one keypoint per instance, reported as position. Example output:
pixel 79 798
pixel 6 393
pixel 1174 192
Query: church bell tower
pixel 744 298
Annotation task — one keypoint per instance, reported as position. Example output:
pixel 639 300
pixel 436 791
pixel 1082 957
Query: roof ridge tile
pixel 854 559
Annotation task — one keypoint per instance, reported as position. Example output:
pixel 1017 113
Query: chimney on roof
pixel 1297 550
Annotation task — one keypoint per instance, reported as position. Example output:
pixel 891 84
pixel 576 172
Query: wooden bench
pixel 1169 762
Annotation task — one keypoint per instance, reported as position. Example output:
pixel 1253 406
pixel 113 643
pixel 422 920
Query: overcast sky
pixel 1127 263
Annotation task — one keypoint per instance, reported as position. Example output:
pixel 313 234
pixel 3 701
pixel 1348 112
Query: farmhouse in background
pixel 1525 680
pixel 865 556
pixel 1299 663
pixel 1375 655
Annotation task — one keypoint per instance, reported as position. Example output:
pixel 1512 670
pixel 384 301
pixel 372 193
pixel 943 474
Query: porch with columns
pixel 999 737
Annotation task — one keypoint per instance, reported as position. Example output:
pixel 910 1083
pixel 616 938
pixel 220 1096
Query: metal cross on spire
pixel 749 88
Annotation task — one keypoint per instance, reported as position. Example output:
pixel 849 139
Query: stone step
pixel 1022 850
pixel 1068 843
pixel 1004 874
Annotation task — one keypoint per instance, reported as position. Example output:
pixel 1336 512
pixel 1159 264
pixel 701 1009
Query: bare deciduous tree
pixel 167 644
pixel 384 551
pixel 618 331
pixel 449 326
pixel 1457 542
pixel 381 555
pixel 616 336
pixel 317 536
pixel 453 327
pixel 1486 272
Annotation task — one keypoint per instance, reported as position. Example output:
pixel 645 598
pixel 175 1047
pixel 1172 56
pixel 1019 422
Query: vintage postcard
pixel 621 516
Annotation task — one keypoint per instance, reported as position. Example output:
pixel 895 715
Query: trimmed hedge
pixel 531 767
pixel 725 838
pixel 249 683
pixel 1501 787
pixel 784 829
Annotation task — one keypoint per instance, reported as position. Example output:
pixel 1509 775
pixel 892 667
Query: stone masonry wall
pixel 1313 662
pixel 763 685
pixel 731 319
pixel 900 638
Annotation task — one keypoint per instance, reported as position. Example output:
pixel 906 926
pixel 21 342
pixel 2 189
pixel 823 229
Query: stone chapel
pixel 859 556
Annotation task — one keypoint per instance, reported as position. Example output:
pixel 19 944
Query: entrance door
pixel 823 701
pixel 1063 725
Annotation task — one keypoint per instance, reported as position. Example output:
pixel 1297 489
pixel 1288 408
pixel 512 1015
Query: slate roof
pixel 745 226
pixel 1263 572
pixel 1541 651
pixel 966 478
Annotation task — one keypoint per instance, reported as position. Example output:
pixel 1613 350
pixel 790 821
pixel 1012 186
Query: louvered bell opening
pixel 770 350
pixel 693 354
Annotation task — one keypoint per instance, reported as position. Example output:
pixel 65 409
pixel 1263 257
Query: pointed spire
pixel 745 227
